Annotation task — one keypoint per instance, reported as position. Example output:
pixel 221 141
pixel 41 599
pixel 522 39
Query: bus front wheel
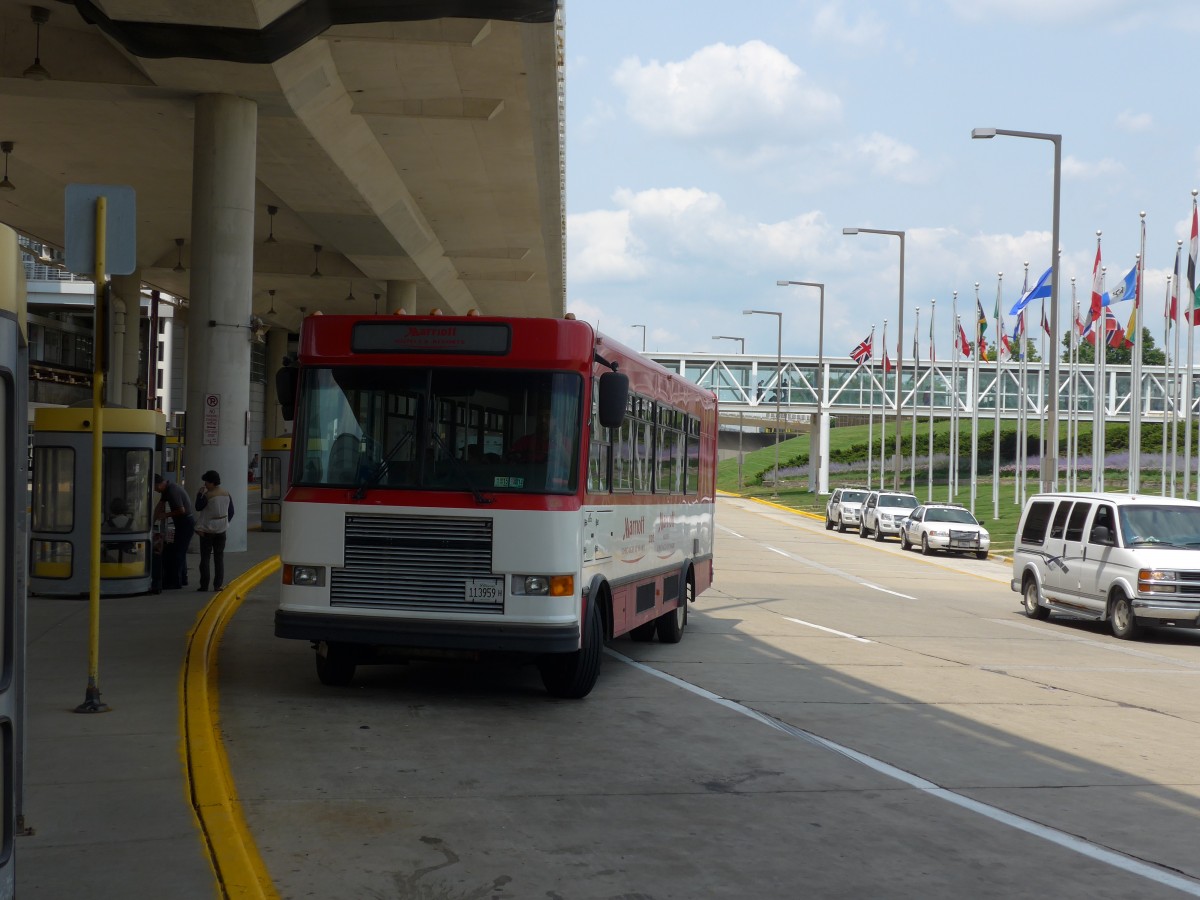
pixel 573 675
pixel 335 665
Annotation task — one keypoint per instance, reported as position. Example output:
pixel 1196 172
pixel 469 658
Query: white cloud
pixel 1128 120
pixel 865 32
pixel 889 157
pixel 602 246
pixel 725 93
pixel 1073 167
pixel 1036 10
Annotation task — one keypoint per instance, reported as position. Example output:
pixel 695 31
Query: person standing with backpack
pixel 214 509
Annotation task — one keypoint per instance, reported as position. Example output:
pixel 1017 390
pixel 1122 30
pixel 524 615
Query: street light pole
pixel 1049 474
pixel 818 474
pixel 899 342
pixel 778 383
pixel 741 415
pixel 643 327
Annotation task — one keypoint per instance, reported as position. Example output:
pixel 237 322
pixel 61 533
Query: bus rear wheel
pixel 335 665
pixel 573 675
pixel 672 624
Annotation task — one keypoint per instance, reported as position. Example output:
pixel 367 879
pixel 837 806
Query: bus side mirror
pixel 614 395
pixel 285 388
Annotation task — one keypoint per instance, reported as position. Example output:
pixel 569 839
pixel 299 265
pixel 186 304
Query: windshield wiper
pixel 373 479
pixel 461 468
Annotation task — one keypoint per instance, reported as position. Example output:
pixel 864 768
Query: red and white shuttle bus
pixel 489 485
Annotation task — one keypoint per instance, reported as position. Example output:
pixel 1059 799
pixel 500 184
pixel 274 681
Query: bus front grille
pixel 417 563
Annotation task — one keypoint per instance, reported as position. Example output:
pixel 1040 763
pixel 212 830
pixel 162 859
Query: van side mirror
pixel 614 395
pixel 285 388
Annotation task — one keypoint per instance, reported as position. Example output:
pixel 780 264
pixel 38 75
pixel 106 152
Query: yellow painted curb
pixel 233 855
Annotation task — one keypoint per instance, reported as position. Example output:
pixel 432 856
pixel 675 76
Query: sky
pixel 713 149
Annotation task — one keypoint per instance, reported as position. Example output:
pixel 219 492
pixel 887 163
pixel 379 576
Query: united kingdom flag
pixel 862 352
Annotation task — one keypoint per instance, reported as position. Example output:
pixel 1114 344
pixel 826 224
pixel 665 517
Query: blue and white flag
pixel 1126 290
pixel 1039 291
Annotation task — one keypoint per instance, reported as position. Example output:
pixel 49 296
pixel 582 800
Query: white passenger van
pixel 1130 560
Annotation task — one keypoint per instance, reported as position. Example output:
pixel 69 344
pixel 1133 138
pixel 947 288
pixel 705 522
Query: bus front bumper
pixel 498 637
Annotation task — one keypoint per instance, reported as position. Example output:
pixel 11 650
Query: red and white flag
pixel 1097 287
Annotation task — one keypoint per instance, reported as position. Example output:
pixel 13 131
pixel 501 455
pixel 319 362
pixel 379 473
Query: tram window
pixel 271 480
pixel 50 559
pixel 53 489
pixel 126 489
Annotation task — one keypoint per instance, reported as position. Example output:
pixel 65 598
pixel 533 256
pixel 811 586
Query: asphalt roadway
pixel 841 719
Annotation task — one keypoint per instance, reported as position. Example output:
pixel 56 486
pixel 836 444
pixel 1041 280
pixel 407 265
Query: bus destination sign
pixel 486 338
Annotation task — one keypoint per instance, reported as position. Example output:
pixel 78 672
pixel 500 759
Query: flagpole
pixel 871 410
pixel 997 394
pixel 1135 428
pixel 1162 472
pixel 883 363
pixel 975 409
pixel 1175 374
pixel 1022 422
pixel 912 466
pixel 932 393
pixel 1187 381
pixel 952 475
pixel 1073 395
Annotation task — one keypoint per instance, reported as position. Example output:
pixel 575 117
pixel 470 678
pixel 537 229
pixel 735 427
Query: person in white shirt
pixel 214 509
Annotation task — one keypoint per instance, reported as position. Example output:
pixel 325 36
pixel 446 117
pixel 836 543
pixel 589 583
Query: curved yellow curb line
pixel 239 870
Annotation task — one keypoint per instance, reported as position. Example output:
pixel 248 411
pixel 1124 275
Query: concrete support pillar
pixel 222 283
pixel 129 289
pixel 274 426
pixel 402 296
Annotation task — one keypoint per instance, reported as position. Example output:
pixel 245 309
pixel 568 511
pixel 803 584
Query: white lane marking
pixel 853 637
pixel 1028 826
pixel 876 587
pixel 730 530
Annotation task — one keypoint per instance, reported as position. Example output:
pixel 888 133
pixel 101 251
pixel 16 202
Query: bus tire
pixel 671 624
pixel 644 633
pixel 573 675
pixel 335 667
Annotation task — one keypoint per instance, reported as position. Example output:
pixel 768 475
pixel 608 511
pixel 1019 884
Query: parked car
pixel 844 508
pixel 1128 560
pixel 883 511
pixel 947 527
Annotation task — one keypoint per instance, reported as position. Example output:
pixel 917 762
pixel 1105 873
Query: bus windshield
pixel 478 430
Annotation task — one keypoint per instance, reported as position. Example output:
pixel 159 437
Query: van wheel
pixel 335 666
pixel 878 532
pixel 573 675
pixel 862 530
pixel 1122 620
pixel 828 524
pixel 1029 601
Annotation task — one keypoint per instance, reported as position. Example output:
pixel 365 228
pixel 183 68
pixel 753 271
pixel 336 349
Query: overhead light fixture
pixel 350 298
pixel 316 272
pixel 6 147
pixel 37 72
pixel 179 256
pixel 271 211
pixel 271 311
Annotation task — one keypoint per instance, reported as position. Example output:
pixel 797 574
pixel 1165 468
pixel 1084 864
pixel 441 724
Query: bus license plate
pixel 484 590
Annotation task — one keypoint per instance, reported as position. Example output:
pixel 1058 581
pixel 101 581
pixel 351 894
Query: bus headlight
pixel 543 585
pixel 1151 581
pixel 304 576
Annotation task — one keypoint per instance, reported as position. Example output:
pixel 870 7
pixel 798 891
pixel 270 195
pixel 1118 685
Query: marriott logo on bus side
pixel 635 526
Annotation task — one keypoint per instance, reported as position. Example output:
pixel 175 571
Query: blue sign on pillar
pixel 120 228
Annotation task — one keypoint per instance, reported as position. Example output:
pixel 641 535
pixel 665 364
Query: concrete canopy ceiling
pixel 408 146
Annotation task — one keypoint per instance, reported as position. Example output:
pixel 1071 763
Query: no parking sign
pixel 212 418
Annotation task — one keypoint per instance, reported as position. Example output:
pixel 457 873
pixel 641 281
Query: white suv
pixel 1129 560
pixel 844 508
pixel 883 511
